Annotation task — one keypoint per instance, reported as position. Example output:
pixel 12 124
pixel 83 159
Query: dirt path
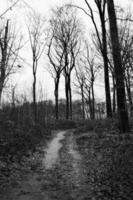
pixel 52 151
pixel 61 175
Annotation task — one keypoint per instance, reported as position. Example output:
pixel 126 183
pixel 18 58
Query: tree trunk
pixel 106 69
pixel 90 104
pixel 83 103
pixel 67 97
pixel 114 94
pixel 70 100
pixel 34 98
pixel 105 58
pixel 129 97
pixel 107 89
pixel 128 87
pixel 121 98
pixel 1 88
pixel 70 96
pixel 3 59
pixel 56 92
pixel 93 101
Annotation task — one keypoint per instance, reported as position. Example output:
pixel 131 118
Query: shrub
pixel 85 126
pixel 62 124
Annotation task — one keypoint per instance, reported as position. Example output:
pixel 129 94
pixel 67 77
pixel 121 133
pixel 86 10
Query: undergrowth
pixel 108 158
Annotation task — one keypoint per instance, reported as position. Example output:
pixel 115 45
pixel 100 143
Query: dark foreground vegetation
pixel 22 140
pixel 107 154
pixel 18 143
pixel 108 158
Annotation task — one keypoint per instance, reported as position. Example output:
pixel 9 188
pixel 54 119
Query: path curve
pixel 52 151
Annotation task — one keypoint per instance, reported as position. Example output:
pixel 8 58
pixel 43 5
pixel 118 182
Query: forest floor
pixel 74 166
pixel 57 173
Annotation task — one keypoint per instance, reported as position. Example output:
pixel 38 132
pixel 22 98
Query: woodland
pixel 96 154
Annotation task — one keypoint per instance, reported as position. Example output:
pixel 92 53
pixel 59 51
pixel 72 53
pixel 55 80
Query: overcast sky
pixel 24 78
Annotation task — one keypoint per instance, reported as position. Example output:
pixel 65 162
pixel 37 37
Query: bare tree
pixel 86 75
pixel 37 43
pixel 9 8
pixel 68 32
pixel 121 98
pixel 101 5
pixel 10 45
pixel 126 46
pixel 72 33
pixel 79 83
pixel 91 71
pixel 55 54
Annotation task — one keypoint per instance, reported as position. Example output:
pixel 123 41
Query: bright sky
pixel 24 78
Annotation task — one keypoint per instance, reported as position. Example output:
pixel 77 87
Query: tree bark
pixel 93 101
pixel 90 105
pixel 103 46
pixel 70 96
pixel 106 68
pixel 121 97
pixel 114 94
pixel 83 103
pixel 3 59
pixel 129 96
pixel 34 98
pixel 56 92
pixel 67 97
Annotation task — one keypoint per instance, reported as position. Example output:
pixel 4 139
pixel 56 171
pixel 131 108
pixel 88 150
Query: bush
pixel 18 141
pixel 98 126
pixel 108 124
pixel 62 124
pixel 85 126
